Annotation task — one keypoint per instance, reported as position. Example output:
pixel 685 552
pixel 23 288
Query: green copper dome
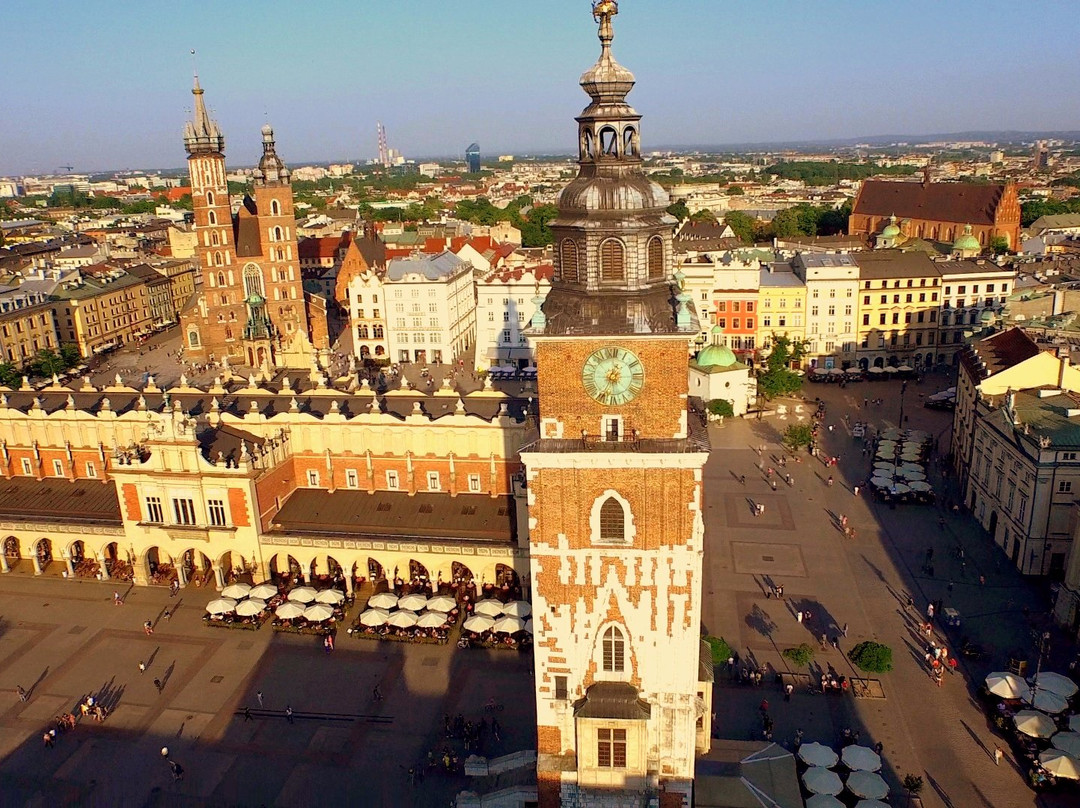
pixel 255 299
pixel 966 241
pixel 716 356
pixel 892 229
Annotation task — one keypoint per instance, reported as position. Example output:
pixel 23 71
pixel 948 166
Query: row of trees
pixel 821 172
pixel 802 220
pixel 1030 211
pixel 47 363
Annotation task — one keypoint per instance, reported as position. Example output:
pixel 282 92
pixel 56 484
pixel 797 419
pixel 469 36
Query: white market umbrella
pixel 289 610
pixel 913 476
pixel 1068 742
pixel 920 485
pixel 905 467
pixel 441 603
pixel 836 372
pixel 1005 685
pixel 861 758
pixel 891 434
pixel 871 804
pixel 818 754
pixel 374 617
pixel 517 608
pixel 1044 700
pixel 331 596
pixel 317 612
pixel 881 482
pixel 490 607
pixel 1074 722
pixel 899 488
pixel 383 600
pixel 904 369
pixel 250 607
pixel 876 370
pixel 1055 683
pixel 508 625
pixel 529 626
pixel 236 591
pixel 432 620
pixel 885 465
pixel 891 370
pixel 820 780
pixel 823 801
pixel 402 619
pixel 887 446
pixel 854 371
pixel 263 591
pixel 1034 724
pixel 221 606
pixel 867 784
pixel 478 623
pixel 1060 764
pixel 413 603
pixel 303 594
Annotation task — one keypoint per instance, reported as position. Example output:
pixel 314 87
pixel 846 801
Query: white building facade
pixel 832 285
pixel 431 308
pixel 506 300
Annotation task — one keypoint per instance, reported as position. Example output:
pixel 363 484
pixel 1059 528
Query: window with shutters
pixel 612 261
pixel 611 748
pixel 656 258
pixel 569 260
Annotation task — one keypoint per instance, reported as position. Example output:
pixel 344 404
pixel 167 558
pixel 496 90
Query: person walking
pixel 247 714
pixel 158 685
pixel 376 694
pixel 23 695
pixel 117 600
pixel 799 616
pixel 998 755
pixel 788 690
pixel 780 591
pixel 49 738
pixel 259 698
pixel 142 667
pixel 148 627
pixel 288 713
pixel 844 630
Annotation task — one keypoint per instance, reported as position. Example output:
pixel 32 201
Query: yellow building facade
pixel 899 300
pixel 781 305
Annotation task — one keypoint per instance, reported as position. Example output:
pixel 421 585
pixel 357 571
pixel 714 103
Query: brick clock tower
pixel 623 697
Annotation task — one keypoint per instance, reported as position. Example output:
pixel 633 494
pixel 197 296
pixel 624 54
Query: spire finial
pixel 603 11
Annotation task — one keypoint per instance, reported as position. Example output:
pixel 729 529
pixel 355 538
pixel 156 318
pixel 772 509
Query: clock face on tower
pixel 613 376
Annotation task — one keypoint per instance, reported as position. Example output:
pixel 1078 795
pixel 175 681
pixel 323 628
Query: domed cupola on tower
pixel 613 250
pixel 271 169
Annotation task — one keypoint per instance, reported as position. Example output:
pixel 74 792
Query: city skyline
pixel 428 76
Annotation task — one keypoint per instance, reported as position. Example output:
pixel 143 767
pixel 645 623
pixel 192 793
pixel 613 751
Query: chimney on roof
pixel 1065 362
pixel 926 173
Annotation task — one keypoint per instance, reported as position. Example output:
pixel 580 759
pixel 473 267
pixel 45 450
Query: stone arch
pixel 612 261
pixel 461 573
pixel 76 550
pixel 418 571
pixel 630 144
pixel 609 142
pixel 12 548
pixel 193 566
pixel 235 568
pixel 375 570
pixel 160 566
pixel 43 551
pixel 585 146
pixel 283 565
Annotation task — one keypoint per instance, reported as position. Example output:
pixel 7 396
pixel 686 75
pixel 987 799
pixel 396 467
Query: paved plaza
pixel 63 640
pixel 938 734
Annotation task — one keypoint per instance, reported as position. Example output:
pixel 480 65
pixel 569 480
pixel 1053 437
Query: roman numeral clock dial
pixel 613 376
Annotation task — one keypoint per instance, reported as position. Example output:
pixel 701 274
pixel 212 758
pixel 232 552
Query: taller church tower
pixel 614 482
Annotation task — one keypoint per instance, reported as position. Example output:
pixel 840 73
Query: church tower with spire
pixel 614 482
pixel 252 309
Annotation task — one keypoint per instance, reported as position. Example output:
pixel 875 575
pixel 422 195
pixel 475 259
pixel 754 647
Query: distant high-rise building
pixel 472 158
pixel 1040 155
pixel 384 152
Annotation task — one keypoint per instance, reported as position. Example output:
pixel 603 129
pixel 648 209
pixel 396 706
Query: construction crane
pixel 69 169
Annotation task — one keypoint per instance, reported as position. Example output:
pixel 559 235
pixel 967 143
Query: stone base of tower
pixel 560 789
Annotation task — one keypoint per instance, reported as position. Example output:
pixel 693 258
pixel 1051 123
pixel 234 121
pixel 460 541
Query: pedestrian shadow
pixel 760 621
pixel 940 791
pixel 150 659
pixel 168 674
pixel 976 738
pixel 38 681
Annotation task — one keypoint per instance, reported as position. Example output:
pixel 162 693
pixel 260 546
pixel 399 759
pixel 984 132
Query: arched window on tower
pixel 587 144
pixel 275 234
pixel 612 261
pixel 656 258
pixel 214 239
pixel 221 279
pixel 612 521
pixel 568 260
pixel 210 198
pixel 630 141
pixel 275 207
pixel 217 259
pixel 609 142
pixel 211 217
pixel 613 646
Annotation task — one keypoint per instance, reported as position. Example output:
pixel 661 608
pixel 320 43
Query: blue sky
pixel 106 84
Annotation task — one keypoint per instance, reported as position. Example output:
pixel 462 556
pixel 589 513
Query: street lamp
pixel 1044 640
pixel 903 389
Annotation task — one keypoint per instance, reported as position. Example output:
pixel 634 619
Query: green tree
pixel 798 436
pixel 800 656
pixel 183 203
pixel 735 190
pixel 536 230
pixel 873 657
pixel 742 224
pixel 47 362
pixel 10 376
pixel 703 215
pixel 1000 245
pixel 721 407
pixel 70 355
pixel 721 651
pixel 778 379
pixel 679 211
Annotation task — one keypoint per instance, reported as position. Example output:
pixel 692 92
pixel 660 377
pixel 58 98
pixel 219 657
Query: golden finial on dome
pixel 603 11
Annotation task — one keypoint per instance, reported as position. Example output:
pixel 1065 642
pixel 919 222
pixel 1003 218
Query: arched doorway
pixel 375 571
pixel 864 364
pixel 993 524
pixel 461 573
pixel 115 566
pixel 879 362
pixel 287 568
pixel 507 583
pixel 195 568
pixel 43 554
pixel 417 572
pixel 159 567
pixel 235 568
pixel 12 552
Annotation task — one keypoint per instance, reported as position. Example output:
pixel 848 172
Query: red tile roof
pixel 960 202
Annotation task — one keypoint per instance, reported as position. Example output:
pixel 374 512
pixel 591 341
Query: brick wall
pixel 657 412
pixel 238 507
pixel 132 506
